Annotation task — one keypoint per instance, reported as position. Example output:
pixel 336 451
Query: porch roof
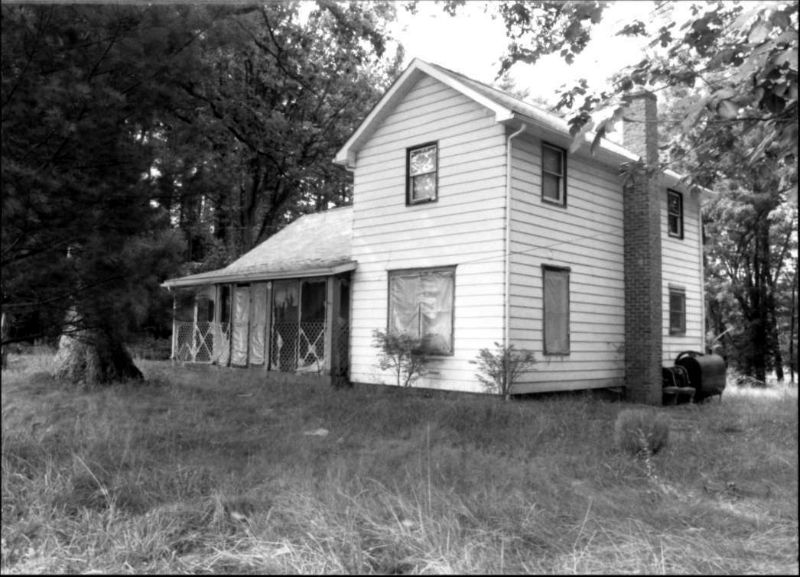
pixel 316 244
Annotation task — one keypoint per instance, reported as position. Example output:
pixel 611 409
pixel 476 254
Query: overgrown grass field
pixel 214 470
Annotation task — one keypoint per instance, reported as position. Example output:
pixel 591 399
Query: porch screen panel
pixel 241 319
pixel 311 343
pixel 285 325
pixel 258 324
pixel 204 333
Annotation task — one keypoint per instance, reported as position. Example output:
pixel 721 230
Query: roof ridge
pixel 495 89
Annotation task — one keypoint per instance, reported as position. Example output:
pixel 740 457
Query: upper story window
pixel 422 167
pixel 675 213
pixel 421 305
pixel 554 174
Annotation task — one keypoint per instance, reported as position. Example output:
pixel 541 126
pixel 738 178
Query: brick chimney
pixel 642 256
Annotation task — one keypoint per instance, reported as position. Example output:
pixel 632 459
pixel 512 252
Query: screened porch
pixel 287 325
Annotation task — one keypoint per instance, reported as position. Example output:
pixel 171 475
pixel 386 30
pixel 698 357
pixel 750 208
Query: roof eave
pixel 219 277
pixel 607 151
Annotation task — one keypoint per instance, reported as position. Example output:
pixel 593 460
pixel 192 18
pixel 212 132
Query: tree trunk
pixel 4 331
pixel 792 325
pixel 777 354
pixel 93 356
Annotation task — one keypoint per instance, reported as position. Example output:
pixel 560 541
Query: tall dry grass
pixel 214 470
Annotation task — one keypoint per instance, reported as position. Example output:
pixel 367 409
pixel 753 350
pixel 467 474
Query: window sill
pixel 555 203
pixel 421 201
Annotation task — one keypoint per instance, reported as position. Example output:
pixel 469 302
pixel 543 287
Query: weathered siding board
pixel 465 227
pixel 458 134
pixel 439 122
pixel 682 266
pixel 586 236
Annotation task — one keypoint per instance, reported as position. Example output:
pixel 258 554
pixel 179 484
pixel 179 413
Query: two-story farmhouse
pixel 472 224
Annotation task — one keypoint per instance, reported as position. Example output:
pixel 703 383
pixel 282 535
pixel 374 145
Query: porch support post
pixel 337 362
pixel 331 290
pixel 231 308
pixel 193 346
pixel 174 326
pixel 268 329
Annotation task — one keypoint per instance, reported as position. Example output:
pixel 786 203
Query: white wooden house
pixel 473 224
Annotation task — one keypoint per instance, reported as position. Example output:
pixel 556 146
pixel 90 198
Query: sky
pixel 472 43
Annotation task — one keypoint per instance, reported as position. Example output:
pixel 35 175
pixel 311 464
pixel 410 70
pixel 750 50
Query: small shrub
pixel 640 432
pixel 403 354
pixel 500 369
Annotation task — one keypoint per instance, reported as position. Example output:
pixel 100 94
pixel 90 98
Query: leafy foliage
pixel 729 74
pixel 566 26
pixel 139 137
pixel 750 231
pixel 80 87
pixel 402 354
pixel 500 369
pixel 740 61
pixel 271 100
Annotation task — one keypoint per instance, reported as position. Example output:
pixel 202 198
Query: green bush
pixel 402 354
pixel 501 368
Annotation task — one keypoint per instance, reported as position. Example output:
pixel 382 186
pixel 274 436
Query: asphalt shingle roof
pixel 313 244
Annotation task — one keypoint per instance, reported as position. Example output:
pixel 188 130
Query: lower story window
pixel 556 310
pixel 421 305
pixel 677 311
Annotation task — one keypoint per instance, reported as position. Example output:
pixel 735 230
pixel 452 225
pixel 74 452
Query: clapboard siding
pixel 586 237
pixel 464 228
pixel 682 266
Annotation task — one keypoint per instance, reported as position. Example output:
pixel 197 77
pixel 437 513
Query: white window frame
pixel 678 216
pixel 674 329
pixel 562 176
pixel 410 200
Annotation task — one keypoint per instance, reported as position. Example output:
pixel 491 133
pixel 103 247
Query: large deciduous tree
pixel 278 93
pixel 130 132
pixel 751 234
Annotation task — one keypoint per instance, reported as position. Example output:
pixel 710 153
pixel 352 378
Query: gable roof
pixel 313 245
pixel 507 109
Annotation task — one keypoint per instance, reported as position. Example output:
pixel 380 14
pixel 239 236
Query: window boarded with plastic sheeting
pixel 258 323
pixel 241 323
pixel 421 305
pixel 556 310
